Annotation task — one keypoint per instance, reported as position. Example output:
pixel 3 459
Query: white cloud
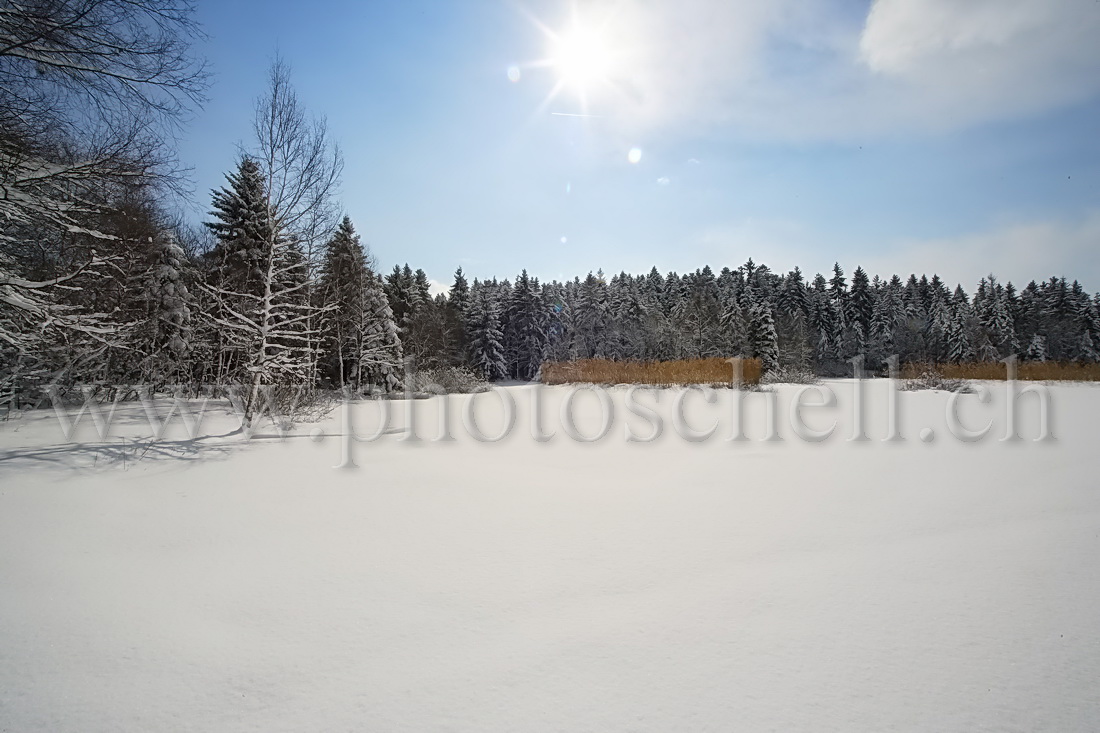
pixel 1016 252
pixel 437 288
pixel 901 34
pixel 1020 251
pixel 811 69
pixel 967 62
pixel 664 180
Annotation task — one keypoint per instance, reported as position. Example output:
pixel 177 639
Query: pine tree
pixel 380 349
pixel 420 322
pixel 838 295
pixel 791 321
pixel 626 313
pixel 735 326
pixel 763 338
pixel 557 300
pixel 939 317
pixel 341 291
pixel 957 341
pixel 455 343
pixel 960 302
pixel 403 294
pixel 459 296
pixel 792 296
pixel 167 329
pixel 883 323
pixel 654 317
pixel 485 333
pixel 592 317
pixel 861 302
pixel 828 347
pixel 1037 349
pixel 1086 348
pixel 523 332
pixel 915 309
pixel 243 228
pixel 1002 326
pixel 1085 322
pixel 1056 319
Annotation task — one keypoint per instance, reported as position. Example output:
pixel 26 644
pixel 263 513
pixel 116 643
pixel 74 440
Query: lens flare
pixel 635 155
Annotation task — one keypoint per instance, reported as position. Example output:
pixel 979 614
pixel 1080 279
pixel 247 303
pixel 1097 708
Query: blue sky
pixel 903 136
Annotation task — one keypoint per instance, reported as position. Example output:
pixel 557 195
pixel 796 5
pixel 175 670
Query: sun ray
pixel 545 104
pixel 579 55
pixel 534 20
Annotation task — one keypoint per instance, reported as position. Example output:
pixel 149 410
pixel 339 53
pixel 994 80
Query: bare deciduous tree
pixel 90 92
pixel 276 326
pixel 75 63
pixel 303 167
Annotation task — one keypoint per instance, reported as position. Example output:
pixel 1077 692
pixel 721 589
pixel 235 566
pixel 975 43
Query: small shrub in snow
pixel 930 379
pixel 448 380
pixel 789 375
pixel 317 405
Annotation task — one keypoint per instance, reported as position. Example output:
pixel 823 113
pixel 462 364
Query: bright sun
pixel 581 58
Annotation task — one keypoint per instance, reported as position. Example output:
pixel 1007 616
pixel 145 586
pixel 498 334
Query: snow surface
pixel 555 586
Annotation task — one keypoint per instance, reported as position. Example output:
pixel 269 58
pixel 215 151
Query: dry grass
pixel 713 371
pixel 1032 371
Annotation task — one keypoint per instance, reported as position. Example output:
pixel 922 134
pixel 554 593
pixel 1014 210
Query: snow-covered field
pixel 524 585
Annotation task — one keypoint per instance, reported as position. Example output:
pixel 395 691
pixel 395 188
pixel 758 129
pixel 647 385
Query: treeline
pixel 507 330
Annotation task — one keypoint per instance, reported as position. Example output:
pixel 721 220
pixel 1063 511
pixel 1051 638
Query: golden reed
pixel 714 370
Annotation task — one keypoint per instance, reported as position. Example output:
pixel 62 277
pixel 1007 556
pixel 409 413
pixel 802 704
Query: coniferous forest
pixel 104 282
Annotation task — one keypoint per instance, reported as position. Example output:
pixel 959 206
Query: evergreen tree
pixel 420 321
pixel 735 325
pixel 524 335
pixel 939 318
pixel 167 327
pixel 699 314
pixel 1037 349
pixel 957 341
pixel 885 315
pixel 459 297
pixel 765 343
pixel 243 227
pixel 455 343
pixel 1084 322
pixel 791 323
pixel 484 330
pixel 404 295
pixel 341 291
pixel 592 318
pixel 380 348
pixel 838 294
pixel 1001 325
pixel 766 346
pixel 861 302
